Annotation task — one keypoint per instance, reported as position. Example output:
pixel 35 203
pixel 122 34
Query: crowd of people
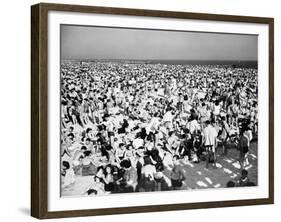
pixel 129 126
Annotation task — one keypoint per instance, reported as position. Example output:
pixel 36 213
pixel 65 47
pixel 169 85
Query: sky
pixel 85 42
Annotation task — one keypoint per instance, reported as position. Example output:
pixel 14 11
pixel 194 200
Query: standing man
pixel 210 142
pixel 177 174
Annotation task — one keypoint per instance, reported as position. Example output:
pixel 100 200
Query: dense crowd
pixel 130 125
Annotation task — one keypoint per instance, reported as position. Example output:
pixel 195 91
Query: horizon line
pixel 219 60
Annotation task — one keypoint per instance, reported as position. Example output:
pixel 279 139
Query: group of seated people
pixel 129 126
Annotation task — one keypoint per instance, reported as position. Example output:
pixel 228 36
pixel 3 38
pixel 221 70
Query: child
pixel 244 180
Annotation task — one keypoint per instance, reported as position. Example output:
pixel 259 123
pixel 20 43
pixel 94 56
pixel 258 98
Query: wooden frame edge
pixel 35 193
pixel 39 113
pixel 154 208
pixel 154 13
pixel 271 110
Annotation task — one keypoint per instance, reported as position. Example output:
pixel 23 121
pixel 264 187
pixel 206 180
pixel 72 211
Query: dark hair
pixel 87 153
pixel 108 147
pixel 111 168
pixel 98 169
pixel 88 130
pixel 66 164
pixel 244 173
pixel 100 128
pixel 88 139
pixel 89 192
pixel 230 184
pixel 83 148
pixel 64 103
pixel 177 157
pixel 150 137
pixel 125 164
pixel 71 135
pixel 185 130
pixel 171 133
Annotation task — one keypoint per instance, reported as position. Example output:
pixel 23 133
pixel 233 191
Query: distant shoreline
pixel 238 64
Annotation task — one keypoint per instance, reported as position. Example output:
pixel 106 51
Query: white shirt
pixel 138 143
pixel 217 110
pixel 153 124
pixel 193 126
pixel 210 135
pixel 168 117
pixel 148 171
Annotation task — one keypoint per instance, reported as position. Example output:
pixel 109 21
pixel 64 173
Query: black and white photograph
pixel 148 110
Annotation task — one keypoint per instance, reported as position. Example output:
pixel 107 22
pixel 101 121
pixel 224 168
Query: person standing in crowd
pixel 177 174
pixel 244 144
pixel 210 143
